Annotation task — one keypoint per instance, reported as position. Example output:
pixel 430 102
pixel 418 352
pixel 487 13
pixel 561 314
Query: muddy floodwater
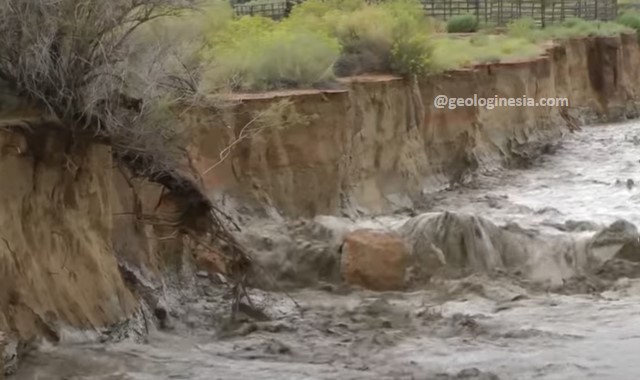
pixel 478 327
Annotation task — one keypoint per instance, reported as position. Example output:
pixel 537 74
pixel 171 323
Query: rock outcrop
pixel 376 260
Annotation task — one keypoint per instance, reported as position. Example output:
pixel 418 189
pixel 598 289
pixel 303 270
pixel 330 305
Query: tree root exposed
pixel 206 226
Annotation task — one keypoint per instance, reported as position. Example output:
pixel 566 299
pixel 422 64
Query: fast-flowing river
pixel 475 328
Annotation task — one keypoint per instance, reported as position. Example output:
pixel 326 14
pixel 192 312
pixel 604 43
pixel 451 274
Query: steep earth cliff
pixel 57 266
pixel 72 226
pixel 379 143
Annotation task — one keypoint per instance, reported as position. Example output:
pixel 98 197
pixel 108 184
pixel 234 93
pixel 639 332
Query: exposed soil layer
pixel 378 145
pixel 77 254
pixel 549 289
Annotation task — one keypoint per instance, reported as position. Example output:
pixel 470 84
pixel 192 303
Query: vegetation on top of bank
pixel 630 19
pixel 324 39
pixel 319 40
pixel 572 27
pixel 463 24
pixel 451 53
pixel 522 39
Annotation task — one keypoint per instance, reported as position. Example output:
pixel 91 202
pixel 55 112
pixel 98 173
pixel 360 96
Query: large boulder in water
pixel 376 260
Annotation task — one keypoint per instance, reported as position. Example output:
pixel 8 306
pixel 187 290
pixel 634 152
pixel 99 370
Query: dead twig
pixel 94 75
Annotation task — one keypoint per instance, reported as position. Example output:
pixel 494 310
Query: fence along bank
pixel 497 12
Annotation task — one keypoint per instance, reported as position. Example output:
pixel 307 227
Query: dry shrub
pixel 100 71
pixel 74 58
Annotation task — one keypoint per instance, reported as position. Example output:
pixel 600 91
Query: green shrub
pixel 463 24
pixel 392 36
pixel 412 46
pixel 630 19
pixel 235 32
pixel 277 57
pixel 320 38
pixel 366 37
pixel 523 28
pixel 411 55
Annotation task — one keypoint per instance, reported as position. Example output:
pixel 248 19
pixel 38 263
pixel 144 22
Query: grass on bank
pixel 630 19
pixel 323 39
pixel 570 28
pixel 451 53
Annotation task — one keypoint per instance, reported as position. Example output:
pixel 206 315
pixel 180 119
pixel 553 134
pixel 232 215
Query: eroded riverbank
pixel 494 324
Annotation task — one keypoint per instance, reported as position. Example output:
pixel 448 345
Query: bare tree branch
pixel 89 65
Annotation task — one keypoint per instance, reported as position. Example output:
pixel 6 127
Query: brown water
pixel 472 328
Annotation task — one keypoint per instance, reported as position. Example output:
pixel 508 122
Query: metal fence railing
pixel 275 9
pixel 497 12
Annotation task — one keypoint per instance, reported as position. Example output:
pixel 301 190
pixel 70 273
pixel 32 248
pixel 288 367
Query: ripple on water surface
pixel 593 176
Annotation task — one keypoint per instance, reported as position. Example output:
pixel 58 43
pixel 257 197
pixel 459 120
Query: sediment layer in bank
pixel 372 147
pixel 379 143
